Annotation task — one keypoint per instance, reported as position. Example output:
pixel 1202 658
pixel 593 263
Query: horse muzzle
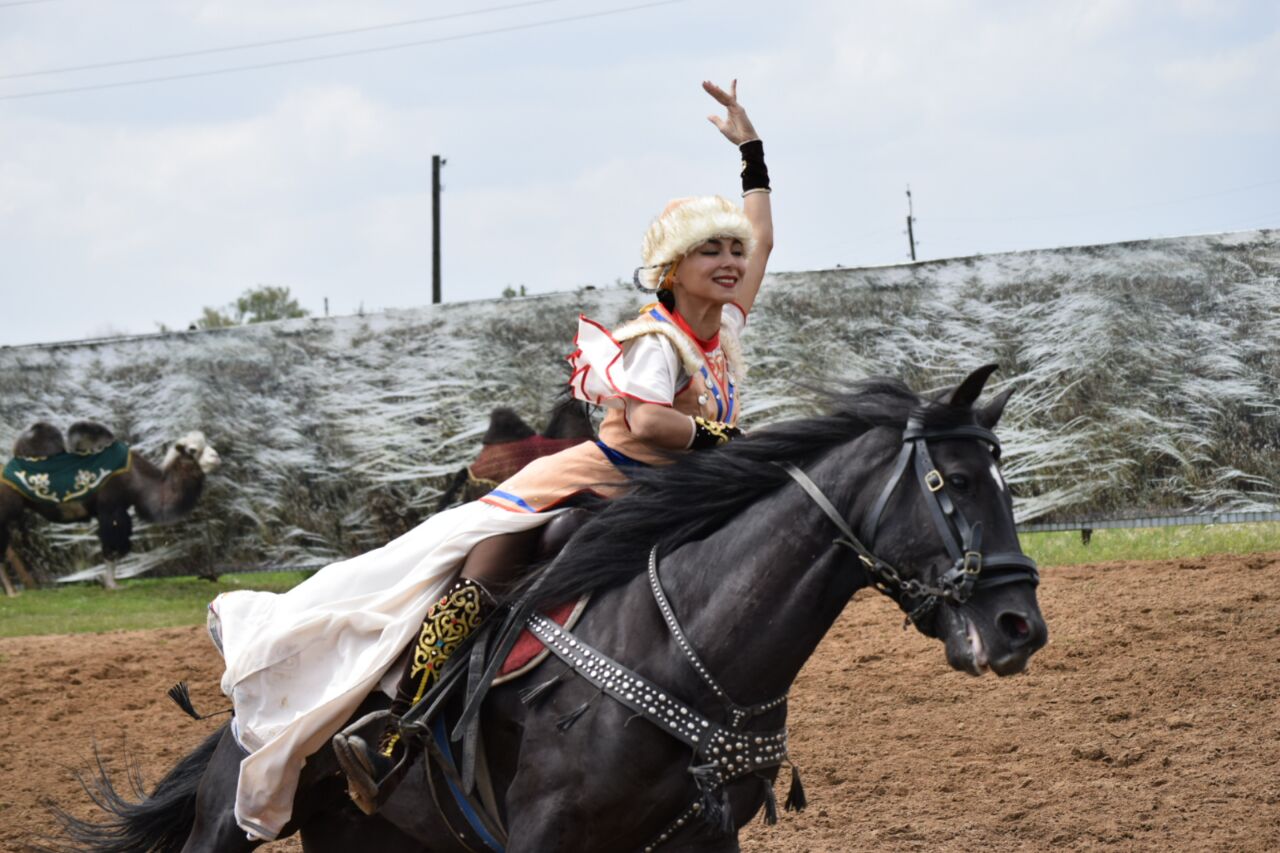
pixel 997 633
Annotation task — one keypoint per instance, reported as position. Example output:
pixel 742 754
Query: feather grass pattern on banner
pixel 1147 378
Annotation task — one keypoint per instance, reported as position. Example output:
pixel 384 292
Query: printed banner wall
pixel 1147 380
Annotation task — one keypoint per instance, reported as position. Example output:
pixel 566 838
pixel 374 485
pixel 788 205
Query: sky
pixel 568 124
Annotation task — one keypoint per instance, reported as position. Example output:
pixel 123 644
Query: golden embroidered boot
pixel 448 622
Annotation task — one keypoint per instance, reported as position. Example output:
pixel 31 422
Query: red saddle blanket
pixel 528 651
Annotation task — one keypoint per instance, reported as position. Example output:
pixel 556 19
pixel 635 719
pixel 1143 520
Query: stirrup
pixel 351 747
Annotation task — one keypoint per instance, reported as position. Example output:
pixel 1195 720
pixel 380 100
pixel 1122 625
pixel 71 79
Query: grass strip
pixel 170 602
pixel 1064 548
pixel 139 603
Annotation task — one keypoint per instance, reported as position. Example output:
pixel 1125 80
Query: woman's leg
pixel 495 563
pixel 489 569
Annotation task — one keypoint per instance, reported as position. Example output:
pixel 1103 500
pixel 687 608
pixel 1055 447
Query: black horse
pixel 757 571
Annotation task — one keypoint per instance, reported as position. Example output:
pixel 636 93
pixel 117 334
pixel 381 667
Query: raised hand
pixel 736 127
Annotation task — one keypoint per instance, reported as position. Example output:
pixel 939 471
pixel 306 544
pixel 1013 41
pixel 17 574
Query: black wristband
pixel 708 434
pixel 755 174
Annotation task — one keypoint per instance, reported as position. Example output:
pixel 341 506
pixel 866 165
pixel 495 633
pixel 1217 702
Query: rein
pixel 738 714
pixel 962 539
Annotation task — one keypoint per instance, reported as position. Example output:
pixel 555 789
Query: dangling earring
pixel 666 271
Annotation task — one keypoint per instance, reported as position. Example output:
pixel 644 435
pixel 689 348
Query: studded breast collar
pixel 722 753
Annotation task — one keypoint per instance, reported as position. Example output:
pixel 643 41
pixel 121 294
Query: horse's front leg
pixel 608 782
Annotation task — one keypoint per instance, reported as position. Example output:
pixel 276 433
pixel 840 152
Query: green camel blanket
pixel 66 476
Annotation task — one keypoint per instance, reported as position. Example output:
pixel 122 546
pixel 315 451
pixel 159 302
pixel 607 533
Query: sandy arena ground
pixel 1150 722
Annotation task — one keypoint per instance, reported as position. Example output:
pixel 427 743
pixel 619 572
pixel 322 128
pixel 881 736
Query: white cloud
pixel 562 142
pixel 1215 72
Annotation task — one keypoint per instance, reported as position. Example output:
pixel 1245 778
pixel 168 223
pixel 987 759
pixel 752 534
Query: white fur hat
pixel 685 224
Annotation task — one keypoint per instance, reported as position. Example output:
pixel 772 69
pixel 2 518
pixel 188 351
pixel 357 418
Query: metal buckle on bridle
pixel 972 564
pixel 933 480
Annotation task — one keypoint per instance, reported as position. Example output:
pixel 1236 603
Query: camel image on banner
pixel 93 475
pixel 509 444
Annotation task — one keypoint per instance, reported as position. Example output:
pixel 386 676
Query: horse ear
pixel 967 392
pixel 989 414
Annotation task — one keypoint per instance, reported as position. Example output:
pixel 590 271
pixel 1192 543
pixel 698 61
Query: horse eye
pixel 959 482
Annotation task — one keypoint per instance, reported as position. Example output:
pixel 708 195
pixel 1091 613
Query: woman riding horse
pixel 299 664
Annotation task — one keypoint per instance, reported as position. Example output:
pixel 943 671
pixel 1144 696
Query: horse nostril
pixel 1015 626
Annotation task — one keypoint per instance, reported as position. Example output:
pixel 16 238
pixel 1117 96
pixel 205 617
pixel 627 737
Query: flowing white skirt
pixel 299 663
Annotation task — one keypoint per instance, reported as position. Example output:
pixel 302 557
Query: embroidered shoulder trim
pixel 685 349
pixel 690 356
pixel 733 354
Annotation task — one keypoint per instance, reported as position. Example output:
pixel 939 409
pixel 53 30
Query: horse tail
pixel 160 822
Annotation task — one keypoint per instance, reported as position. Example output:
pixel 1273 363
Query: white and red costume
pixel 654 358
pixel 298 664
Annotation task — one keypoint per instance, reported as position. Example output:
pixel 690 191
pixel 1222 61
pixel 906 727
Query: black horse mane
pixel 669 505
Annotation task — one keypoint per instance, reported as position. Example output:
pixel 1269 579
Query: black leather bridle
pixel 971 569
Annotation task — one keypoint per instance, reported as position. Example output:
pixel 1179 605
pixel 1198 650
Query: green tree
pixel 212 318
pixel 260 304
pixel 255 305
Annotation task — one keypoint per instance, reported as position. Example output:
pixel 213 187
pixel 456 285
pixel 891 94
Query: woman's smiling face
pixel 713 271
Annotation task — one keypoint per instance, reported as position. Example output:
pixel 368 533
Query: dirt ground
pixel 1151 721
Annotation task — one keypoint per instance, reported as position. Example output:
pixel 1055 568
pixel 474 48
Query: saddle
pixel 529 651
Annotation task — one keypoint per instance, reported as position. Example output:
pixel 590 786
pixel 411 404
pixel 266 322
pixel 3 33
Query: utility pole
pixel 436 162
pixel 911 232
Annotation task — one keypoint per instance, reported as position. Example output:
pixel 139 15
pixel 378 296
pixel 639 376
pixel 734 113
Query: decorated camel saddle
pixel 509 444
pixel 47 469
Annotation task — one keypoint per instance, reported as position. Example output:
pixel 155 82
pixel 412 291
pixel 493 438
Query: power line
pixel 8 3
pixel 1124 209
pixel 1266 220
pixel 338 55
pixel 256 44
